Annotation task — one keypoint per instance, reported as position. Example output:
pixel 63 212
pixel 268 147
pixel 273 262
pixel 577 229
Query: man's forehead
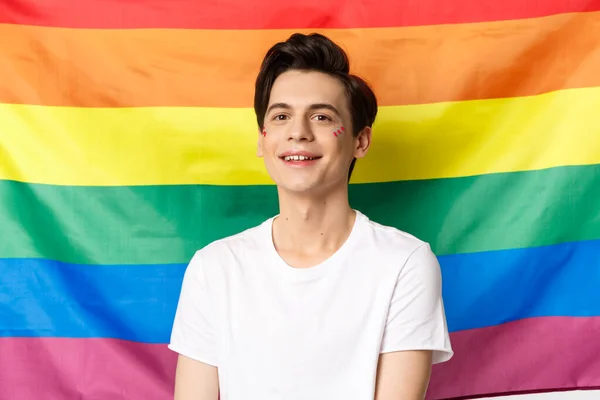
pixel 314 87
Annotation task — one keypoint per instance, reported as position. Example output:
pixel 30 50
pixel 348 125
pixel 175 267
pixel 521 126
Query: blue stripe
pixel 490 288
pixel 47 298
pixel 54 299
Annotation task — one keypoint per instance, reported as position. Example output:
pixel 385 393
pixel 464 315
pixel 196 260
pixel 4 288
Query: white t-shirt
pixel 278 332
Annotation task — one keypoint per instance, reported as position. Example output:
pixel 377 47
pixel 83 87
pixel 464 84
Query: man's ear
pixel 363 142
pixel 259 149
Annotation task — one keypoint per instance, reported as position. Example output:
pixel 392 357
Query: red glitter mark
pixel 342 128
pixel 264 132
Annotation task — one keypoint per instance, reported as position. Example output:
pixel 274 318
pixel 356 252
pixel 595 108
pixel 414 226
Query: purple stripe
pixel 530 355
pixel 57 368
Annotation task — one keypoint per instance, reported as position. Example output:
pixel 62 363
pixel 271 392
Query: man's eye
pixel 279 117
pixel 321 117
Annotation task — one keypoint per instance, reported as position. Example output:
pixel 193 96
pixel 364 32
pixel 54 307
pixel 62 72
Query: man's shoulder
pixel 389 238
pixel 233 245
pixel 400 250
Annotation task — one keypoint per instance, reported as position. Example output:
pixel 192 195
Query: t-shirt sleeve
pixel 416 318
pixel 193 328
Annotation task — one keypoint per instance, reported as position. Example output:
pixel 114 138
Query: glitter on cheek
pixel 339 131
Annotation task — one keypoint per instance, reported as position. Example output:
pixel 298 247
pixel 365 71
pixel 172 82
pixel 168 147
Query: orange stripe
pixel 410 65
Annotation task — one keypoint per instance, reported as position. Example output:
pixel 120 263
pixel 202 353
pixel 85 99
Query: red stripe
pixel 531 355
pixel 52 368
pixel 276 14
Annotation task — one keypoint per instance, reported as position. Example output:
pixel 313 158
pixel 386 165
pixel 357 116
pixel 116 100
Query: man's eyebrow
pixel 326 106
pixel 278 105
pixel 312 107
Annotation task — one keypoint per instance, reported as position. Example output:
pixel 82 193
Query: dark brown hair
pixel 315 52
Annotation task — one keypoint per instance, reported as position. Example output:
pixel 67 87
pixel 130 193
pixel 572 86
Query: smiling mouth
pixel 299 158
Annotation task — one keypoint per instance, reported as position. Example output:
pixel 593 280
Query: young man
pixel 318 302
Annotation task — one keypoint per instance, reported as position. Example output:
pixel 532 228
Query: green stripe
pixel 166 224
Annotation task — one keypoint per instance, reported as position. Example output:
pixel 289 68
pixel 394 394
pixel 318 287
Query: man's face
pixel 308 145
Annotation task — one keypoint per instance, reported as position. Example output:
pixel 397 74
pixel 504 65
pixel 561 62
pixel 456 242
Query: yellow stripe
pixel 139 146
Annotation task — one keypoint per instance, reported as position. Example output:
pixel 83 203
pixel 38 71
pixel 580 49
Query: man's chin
pixel 300 188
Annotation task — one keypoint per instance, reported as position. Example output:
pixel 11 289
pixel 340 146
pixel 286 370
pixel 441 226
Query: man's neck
pixel 312 226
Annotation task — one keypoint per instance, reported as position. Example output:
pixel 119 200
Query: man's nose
pixel 300 130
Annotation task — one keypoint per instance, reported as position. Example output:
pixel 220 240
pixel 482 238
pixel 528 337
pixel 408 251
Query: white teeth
pixel 297 158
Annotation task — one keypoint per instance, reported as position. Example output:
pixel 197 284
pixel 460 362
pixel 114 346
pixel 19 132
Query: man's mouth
pixel 299 158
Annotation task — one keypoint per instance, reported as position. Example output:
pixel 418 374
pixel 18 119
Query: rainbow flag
pixel 127 142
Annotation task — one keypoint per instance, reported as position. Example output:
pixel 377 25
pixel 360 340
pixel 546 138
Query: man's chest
pixel 298 325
